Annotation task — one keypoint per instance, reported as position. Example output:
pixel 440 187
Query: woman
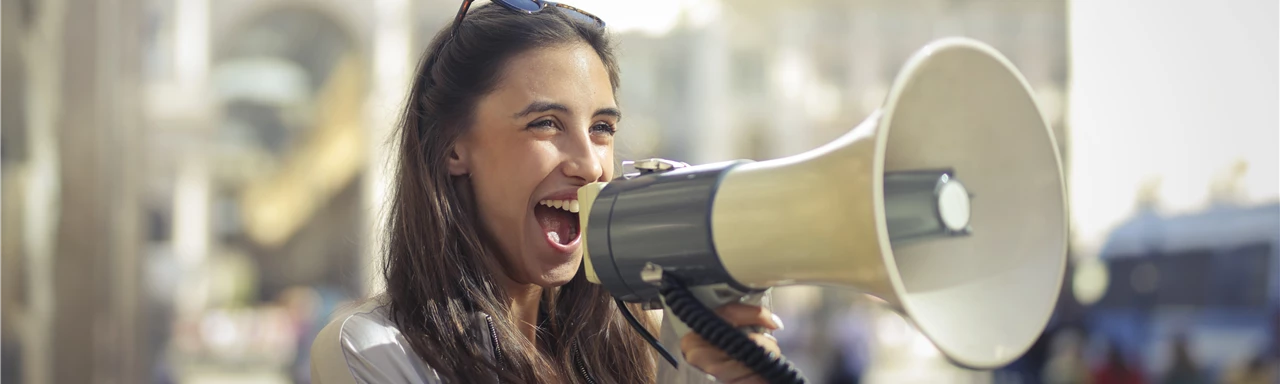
pixel 512 109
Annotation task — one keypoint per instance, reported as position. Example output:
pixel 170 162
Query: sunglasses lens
pixel 579 16
pixel 523 5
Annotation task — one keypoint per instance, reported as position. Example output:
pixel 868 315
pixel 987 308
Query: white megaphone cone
pixel 948 203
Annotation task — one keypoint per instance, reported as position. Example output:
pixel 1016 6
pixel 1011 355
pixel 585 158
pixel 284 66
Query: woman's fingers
pixel 767 341
pixel 699 353
pixel 754 379
pixel 732 371
pixel 707 358
pixel 710 359
pixel 742 315
pixel 692 344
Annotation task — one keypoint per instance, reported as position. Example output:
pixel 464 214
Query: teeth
pixel 567 205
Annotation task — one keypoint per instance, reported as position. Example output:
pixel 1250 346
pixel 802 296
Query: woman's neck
pixel 525 299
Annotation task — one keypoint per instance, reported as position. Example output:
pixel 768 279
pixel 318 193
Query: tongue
pixel 559 225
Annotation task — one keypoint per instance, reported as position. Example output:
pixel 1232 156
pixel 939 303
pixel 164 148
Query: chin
pixel 561 273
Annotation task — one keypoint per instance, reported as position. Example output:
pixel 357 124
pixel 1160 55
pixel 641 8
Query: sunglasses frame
pixel 542 5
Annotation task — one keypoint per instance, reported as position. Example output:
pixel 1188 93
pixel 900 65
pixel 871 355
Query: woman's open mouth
pixel 559 220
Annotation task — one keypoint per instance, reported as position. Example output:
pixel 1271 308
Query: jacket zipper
pixel 497 349
pixel 582 366
pixel 497 352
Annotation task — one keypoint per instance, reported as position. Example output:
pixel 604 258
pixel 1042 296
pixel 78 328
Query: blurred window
pixel 1182 279
pixel 1240 277
pixel 1236 278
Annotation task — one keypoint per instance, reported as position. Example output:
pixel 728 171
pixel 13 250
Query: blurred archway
pixel 291 84
pixel 284 163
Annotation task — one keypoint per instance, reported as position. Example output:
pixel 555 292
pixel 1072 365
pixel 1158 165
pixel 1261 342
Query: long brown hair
pixel 437 260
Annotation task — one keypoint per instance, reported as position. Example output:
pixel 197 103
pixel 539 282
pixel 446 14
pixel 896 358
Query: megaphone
pixel 947 203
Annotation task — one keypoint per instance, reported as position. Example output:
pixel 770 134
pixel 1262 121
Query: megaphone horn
pixel 947 203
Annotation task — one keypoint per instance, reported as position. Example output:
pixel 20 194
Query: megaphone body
pixel 947 203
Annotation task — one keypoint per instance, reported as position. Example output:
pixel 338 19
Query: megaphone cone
pixel 948 203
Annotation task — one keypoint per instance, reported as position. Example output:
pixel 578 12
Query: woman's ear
pixel 457 161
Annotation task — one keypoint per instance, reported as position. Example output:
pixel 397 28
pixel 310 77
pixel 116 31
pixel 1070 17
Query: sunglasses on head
pixel 530 7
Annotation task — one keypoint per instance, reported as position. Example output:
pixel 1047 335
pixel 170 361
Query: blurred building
pixel 185 195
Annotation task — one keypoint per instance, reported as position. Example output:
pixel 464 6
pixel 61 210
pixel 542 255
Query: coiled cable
pixel 771 366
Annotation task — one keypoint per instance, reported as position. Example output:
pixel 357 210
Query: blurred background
pixel 190 187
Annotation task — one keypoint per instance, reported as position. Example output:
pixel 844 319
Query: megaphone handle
pixel 682 307
pixel 713 297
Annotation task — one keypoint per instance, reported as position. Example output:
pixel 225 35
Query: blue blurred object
pixel 1210 276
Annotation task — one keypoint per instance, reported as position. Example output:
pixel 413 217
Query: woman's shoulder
pixel 364 325
pixel 362 345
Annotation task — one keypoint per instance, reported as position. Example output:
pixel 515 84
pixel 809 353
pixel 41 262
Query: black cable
pixel 773 367
pixel 622 306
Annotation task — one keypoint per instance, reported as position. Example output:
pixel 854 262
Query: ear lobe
pixel 457 161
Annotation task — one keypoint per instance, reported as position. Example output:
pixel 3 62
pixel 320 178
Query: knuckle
pixel 706 361
pixel 724 369
pixel 693 342
pixel 694 358
pixel 742 311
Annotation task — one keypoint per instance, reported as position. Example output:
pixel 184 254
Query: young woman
pixel 513 107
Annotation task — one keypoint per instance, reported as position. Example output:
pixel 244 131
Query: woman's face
pixel 545 130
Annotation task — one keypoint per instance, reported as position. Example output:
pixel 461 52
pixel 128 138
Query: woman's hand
pixel 710 359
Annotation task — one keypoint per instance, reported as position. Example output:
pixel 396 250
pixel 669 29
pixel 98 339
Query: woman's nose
pixel 583 160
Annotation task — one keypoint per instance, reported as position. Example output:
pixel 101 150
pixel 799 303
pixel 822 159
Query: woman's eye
pixel 543 124
pixel 603 128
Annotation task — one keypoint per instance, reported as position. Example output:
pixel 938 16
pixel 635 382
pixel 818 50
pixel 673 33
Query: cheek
pixel 605 154
pixel 508 178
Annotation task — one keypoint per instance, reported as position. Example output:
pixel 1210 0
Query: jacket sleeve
pixel 359 350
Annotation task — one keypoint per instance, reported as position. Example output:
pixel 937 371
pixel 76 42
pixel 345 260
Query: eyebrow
pixel 543 106
pixel 609 111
